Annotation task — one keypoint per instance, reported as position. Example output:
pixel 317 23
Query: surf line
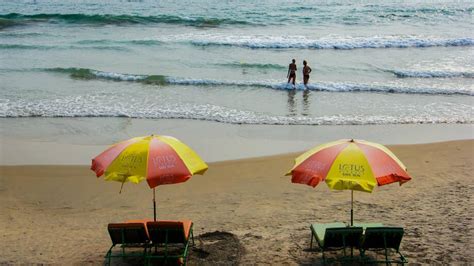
pixel 162 80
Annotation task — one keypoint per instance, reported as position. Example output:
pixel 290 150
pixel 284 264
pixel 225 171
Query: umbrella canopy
pixel 349 164
pixel 157 159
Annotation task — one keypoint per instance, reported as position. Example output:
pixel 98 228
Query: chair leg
pixel 386 249
pixel 402 258
pixel 311 243
pixel 107 259
pixel 108 256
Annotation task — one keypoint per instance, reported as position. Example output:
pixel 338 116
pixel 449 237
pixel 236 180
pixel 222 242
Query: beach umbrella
pixel 159 160
pixel 349 164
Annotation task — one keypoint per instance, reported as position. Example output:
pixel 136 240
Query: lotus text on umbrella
pixel 355 170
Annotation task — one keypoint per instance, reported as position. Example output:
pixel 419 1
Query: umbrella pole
pixel 352 207
pixel 154 206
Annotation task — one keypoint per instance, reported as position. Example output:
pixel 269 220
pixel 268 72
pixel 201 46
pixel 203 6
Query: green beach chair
pixel 336 236
pixel 169 241
pixel 127 235
pixel 383 238
pixel 365 225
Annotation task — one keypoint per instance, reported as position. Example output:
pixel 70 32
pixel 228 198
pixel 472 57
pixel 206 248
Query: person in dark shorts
pixel 292 72
pixel 306 71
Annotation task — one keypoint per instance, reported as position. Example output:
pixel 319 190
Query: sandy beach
pixel 245 211
pixel 79 76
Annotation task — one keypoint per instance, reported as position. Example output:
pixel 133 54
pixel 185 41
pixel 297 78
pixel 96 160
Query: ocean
pixel 373 62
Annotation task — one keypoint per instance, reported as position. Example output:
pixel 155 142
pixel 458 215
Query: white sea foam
pixel 431 74
pixel 100 105
pixel 118 76
pixel 327 86
pixel 270 42
pixel 302 42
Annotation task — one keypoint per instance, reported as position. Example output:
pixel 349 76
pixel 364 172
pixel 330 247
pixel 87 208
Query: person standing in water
pixel 306 71
pixel 292 72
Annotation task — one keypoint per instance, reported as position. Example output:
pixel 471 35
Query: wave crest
pixel 300 42
pixel 83 73
pixel 108 19
pixel 431 74
pixel 100 106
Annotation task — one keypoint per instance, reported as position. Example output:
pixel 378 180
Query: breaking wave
pixel 88 74
pixel 300 42
pixel 266 14
pixel 266 42
pixel 431 74
pixel 12 19
pixel 103 106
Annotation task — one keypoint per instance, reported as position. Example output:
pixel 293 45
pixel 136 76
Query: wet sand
pixel 49 141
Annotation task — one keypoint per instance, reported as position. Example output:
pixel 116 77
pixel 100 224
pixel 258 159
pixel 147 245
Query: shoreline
pixel 76 141
pixel 251 158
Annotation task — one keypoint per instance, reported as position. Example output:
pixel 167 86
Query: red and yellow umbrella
pixel 157 159
pixel 349 164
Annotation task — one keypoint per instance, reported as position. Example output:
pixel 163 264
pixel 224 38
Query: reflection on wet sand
pixel 292 106
pixel 306 94
pixel 291 102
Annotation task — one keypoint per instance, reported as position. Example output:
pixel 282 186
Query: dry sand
pixel 245 211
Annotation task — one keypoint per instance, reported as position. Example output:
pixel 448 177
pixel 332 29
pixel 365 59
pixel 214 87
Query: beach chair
pixel 336 236
pixel 169 241
pixel 383 238
pixel 365 225
pixel 127 235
